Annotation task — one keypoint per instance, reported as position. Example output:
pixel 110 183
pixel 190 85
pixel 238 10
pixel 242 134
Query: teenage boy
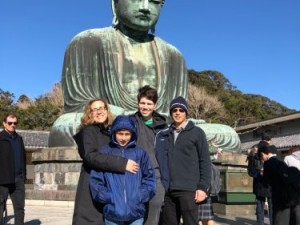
pixel 183 156
pixel 124 195
pixel 149 123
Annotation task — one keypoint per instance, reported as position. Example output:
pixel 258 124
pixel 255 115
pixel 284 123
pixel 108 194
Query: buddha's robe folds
pixel 104 63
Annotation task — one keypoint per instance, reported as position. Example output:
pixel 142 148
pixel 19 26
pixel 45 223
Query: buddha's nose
pixel 144 6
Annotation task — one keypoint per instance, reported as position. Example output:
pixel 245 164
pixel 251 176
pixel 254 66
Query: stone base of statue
pixel 56 174
pixel 235 197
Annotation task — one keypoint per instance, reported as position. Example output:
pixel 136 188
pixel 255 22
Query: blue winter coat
pixel 124 195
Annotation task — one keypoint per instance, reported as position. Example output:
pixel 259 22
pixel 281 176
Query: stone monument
pixel 113 63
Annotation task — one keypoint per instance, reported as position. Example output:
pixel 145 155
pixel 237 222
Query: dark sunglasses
pixel 176 110
pixel 10 123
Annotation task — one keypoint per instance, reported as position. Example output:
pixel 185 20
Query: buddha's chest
pixel 139 66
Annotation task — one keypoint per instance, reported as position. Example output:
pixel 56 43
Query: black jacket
pixel 7 161
pixel 185 164
pixel 88 140
pixel 146 135
pixel 278 174
pixel 261 187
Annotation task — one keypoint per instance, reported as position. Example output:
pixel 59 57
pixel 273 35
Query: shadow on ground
pixel 228 220
pixel 33 222
pixel 234 221
pixel 10 221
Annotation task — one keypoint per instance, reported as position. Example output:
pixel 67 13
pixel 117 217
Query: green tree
pixel 240 108
pixel 41 115
pixel 6 103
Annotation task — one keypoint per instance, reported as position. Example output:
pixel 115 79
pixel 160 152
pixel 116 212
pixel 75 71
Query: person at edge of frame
pixel 12 169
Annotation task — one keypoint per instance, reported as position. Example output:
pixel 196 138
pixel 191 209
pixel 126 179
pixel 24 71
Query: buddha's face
pixel 138 15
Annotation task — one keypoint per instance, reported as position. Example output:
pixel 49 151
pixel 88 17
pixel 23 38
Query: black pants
pixel 281 216
pixel 295 215
pixel 180 203
pixel 16 192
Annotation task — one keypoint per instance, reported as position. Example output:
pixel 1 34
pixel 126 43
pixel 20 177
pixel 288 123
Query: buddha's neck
pixel 134 34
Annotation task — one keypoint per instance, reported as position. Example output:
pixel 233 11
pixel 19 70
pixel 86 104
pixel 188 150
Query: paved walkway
pixel 60 213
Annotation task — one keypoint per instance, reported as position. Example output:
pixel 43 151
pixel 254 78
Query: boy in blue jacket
pixel 124 194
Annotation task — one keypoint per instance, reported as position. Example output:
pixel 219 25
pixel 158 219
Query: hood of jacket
pixel 123 122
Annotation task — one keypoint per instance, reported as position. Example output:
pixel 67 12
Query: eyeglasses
pixel 176 110
pixel 10 123
pixel 100 109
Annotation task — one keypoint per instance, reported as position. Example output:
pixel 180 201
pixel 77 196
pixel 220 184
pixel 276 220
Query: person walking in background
pixel 261 188
pixel 285 184
pixel 124 195
pixel 293 159
pixel 95 124
pixel 266 139
pixel 149 123
pixel 12 169
pixel 183 156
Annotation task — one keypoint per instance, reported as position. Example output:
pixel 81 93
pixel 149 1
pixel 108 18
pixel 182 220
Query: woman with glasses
pixel 94 133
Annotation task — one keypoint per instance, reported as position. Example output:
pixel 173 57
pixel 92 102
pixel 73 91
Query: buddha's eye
pixel 155 1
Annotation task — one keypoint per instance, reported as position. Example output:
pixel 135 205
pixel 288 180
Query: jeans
pixel 260 210
pixel 16 192
pixel 134 222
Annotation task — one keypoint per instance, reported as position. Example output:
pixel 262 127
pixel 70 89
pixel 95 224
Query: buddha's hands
pixel 200 196
pixel 132 166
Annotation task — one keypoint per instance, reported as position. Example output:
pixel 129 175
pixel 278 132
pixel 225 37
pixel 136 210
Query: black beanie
pixel 179 102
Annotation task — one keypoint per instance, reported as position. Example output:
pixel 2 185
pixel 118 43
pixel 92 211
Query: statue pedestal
pixel 56 172
pixel 235 197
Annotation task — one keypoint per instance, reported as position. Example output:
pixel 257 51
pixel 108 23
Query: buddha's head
pixel 138 15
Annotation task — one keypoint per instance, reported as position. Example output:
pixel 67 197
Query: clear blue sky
pixel 254 43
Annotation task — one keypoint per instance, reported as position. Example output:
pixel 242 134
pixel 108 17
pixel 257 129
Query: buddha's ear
pixel 115 20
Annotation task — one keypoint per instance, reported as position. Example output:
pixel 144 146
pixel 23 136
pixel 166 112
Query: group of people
pixel 138 170
pixel 277 181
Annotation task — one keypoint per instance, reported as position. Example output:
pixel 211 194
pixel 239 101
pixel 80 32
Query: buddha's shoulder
pixel 97 33
pixel 162 44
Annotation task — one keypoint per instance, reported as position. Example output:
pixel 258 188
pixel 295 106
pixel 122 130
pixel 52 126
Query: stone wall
pixel 56 173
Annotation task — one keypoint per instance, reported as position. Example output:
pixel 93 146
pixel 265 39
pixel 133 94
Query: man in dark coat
pixel 149 123
pixel 261 188
pixel 285 184
pixel 12 169
pixel 183 156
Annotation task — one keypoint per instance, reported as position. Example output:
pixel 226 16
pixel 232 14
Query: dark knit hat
pixel 179 102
